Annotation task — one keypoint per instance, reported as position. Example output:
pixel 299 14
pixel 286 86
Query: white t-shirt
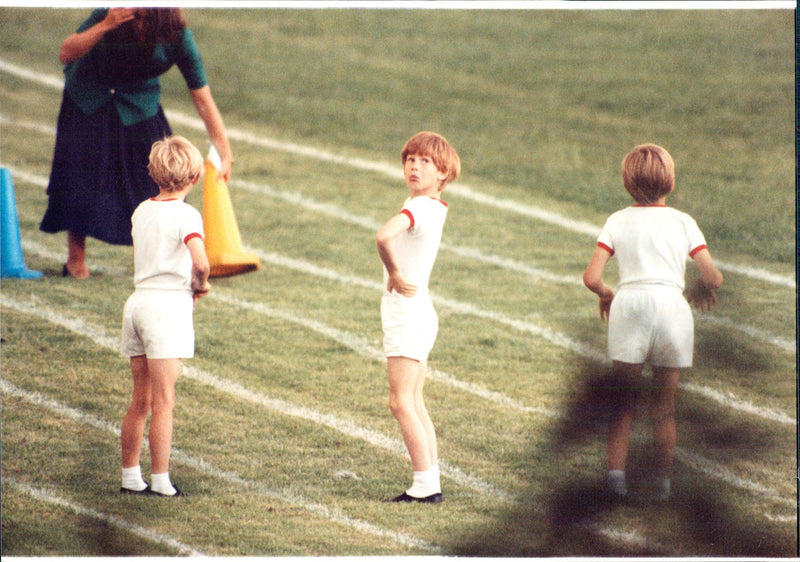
pixel 160 231
pixel 652 244
pixel 416 248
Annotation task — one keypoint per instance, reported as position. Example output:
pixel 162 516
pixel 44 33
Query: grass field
pixel 284 443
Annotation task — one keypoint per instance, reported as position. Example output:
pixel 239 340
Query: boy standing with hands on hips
pixel 649 319
pixel 171 272
pixel 408 244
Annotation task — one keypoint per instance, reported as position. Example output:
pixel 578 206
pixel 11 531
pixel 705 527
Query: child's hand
pixel 605 306
pixel 701 297
pixel 398 283
pixel 200 292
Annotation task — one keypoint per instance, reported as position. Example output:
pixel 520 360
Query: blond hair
pixel 437 149
pixel 648 173
pixel 174 163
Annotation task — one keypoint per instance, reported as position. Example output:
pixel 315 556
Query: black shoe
pixel 175 495
pixel 405 498
pixel 145 492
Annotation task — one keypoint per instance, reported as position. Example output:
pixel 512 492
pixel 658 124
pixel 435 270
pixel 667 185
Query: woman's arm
pixel 77 45
pixel 209 113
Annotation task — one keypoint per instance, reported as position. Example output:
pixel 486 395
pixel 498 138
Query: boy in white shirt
pixel 407 245
pixel 171 272
pixel 649 319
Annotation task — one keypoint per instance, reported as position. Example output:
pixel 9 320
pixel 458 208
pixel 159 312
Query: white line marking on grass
pixel 363 348
pixel 393 172
pixel 736 404
pixel 781 518
pixel 755 333
pixel 288 497
pixel 49 497
pixel 100 338
pixel 545 333
pixel 208 469
pixel 235 389
pixel 371 224
pixel 719 472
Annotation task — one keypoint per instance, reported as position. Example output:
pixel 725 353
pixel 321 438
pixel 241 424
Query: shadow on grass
pixel 575 516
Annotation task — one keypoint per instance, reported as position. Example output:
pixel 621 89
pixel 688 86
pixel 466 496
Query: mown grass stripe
pixel 341 425
pixel 208 469
pixel 362 347
pixel 371 224
pixel 459 189
pixel 374 438
pixel 50 497
pixel 543 332
pixel 728 400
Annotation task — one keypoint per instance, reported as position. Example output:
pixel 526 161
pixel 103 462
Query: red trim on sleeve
pixel 192 235
pixel 700 247
pixel 606 248
pixel 409 215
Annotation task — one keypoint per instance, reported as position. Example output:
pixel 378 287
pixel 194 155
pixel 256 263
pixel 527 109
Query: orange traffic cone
pixel 223 242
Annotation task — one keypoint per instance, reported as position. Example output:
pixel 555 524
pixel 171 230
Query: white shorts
pixel 652 324
pixel 409 325
pixel 158 324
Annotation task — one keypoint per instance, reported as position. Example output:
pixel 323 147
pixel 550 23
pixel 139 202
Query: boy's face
pixel 422 176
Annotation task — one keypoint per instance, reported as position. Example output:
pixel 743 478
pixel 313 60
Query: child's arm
pixel 384 239
pixel 201 269
pixel 702 295
pixel 593 279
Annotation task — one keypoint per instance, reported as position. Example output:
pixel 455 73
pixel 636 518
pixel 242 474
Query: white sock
pixel 425 483
pixel 162 485
pixel 132 479
pixel 436 479
pixel 616 481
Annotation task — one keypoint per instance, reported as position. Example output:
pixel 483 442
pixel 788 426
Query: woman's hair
pixel 438 149
pixel 174 163
pixel 648 173
pixel 150 26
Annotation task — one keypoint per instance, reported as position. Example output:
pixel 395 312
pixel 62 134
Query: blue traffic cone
pixel 12 262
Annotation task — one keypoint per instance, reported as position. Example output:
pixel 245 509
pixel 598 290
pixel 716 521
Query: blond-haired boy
pixel 649 319
pixel 407 245
pixel 171 272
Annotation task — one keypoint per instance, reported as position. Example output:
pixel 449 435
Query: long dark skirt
pixel 99 173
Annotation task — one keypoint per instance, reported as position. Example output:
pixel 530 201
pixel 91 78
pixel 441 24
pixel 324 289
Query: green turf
pixel 284 443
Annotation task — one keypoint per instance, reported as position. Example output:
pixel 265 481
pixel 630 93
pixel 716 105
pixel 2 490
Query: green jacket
pixel 114 73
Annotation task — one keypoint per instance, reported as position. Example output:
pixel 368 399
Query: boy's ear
pixel 196 178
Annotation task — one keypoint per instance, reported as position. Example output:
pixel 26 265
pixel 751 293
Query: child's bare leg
pixel 403 380
pixel 624 377
pixel 621 395
pixel 422 413
pixel 619 434
pixel 163 374
pixel 665 384
pixel 136 417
